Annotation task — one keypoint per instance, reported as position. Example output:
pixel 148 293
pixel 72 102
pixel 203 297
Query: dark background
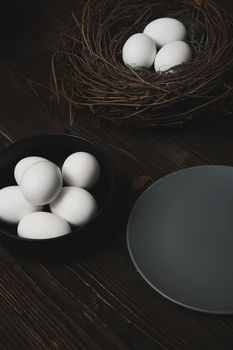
pixel 96 301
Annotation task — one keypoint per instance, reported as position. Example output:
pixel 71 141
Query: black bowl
pixel 57 148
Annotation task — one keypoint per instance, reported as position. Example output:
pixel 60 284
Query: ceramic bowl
pixel 57 148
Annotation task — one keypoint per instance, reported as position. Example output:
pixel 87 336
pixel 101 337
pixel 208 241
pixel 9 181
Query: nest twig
pixel 87 68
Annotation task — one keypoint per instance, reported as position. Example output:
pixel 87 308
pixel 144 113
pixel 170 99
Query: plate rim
pixel 138 270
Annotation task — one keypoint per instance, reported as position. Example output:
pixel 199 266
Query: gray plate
pixel 180 237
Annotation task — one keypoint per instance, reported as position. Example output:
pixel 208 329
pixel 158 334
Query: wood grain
pixel 95 301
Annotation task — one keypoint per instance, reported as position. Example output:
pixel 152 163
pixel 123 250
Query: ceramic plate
pixel 180 237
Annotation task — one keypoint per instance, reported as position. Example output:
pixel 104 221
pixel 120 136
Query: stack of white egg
pixel 39 184
pixel 161 43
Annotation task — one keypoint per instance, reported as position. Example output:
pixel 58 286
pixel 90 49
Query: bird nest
pixel 87 68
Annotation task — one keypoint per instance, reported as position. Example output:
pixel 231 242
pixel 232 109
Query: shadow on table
pixel 16 16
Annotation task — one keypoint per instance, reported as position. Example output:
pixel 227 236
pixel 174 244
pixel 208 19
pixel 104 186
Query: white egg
pixel 41 182
pixel 42 225
pixel 165 30
pixel 171 55
pixel 139 51
pixel 13 205
pixel 23 165
pixel 81 169
pixel 75 205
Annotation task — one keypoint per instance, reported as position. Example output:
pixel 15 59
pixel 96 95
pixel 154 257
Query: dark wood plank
pixel 213 140
pixel 39 323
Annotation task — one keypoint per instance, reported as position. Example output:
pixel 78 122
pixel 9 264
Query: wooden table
pixel 97 301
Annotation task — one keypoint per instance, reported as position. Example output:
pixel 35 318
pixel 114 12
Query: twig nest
pixel 88 70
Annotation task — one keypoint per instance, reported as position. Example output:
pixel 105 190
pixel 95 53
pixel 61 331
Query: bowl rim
pixel 105 206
